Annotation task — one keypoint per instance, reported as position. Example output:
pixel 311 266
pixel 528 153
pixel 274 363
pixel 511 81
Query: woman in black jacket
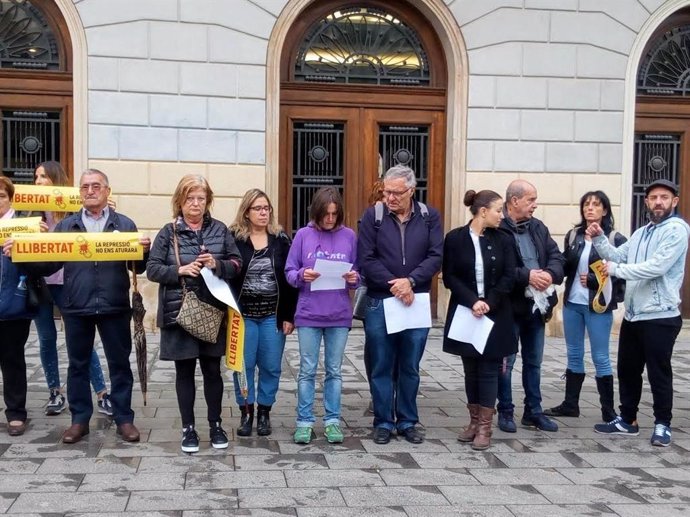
pixel 583 309
pixel 479 270
pixel 267 303
pixel 202 242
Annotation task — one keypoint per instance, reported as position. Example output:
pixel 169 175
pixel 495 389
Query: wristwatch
pixel 413 284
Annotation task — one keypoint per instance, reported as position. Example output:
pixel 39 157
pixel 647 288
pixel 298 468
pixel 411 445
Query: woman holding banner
pixel 267 303
pixel 589 301
pixel 322 314
pixel 479 263
pixel 193 240
pixel 48 174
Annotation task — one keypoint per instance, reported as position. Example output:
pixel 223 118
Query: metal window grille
pixel 407 145
pixel 28 138
pixel 26 39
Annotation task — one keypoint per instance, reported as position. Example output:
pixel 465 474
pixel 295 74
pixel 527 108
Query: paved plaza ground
pixel 530 473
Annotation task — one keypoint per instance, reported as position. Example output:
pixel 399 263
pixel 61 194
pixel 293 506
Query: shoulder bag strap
pixel 176 247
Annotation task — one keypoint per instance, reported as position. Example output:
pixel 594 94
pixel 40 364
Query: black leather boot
pixel 263 420
pixel 247 420
pixel 605 389
pixel 571 405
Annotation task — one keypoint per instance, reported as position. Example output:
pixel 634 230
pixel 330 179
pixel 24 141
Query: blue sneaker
pixel 506 423
pixel 661 436
pixel 540 421
pixel 618 426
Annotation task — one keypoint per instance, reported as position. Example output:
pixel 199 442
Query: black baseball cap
pixel 664 183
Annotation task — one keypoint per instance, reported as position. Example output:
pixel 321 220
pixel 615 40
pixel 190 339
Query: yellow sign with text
pixel 604 293
pixel 76 247
pixel 18 225
pixel 46 199
pixel 234 348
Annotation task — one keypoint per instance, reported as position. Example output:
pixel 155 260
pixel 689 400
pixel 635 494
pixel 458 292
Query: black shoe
pixel 246 422
pixel 219 438
pixel 190 440
pixel 263 421
pixel 382 436
pixel 412 435
pixel 563 409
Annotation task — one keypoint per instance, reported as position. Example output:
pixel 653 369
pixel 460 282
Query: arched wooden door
pixel 662 122
pixel 36 115
pixel 363 87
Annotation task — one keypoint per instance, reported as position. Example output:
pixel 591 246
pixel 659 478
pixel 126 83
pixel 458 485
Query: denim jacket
pixel 653 263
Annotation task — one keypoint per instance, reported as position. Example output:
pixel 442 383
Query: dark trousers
pixel 185 385
pixel 481 380
pixel 80 332
pixel 647 343
pixel 13 365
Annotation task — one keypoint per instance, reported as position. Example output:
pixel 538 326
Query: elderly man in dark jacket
pixel 96 295
pixel 398 254
pixel 539 269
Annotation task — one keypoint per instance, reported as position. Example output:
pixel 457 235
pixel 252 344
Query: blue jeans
pixel 47 338
pixel 394 397
pixel 116 335
pixel 530 331
pixel 263 348
pixel 334 341
pixel 577 318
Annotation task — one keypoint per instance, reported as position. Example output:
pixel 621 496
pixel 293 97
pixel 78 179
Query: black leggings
pixel 185 385
pixel 481 380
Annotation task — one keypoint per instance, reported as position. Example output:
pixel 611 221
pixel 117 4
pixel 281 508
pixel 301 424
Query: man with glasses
pixel 398 255
pixel 96 296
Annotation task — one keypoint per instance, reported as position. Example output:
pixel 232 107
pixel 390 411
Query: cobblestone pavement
pixel 571 472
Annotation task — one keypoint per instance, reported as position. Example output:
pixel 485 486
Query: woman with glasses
pixel 48 174
pixel 267 303
pixel 322 314
pixel 193 240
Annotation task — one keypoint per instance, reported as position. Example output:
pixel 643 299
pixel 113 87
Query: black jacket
pixel 550 259
pixel 162 266
pixel 92 288
pixel 572 259
pixel 287 295
pixel 499 258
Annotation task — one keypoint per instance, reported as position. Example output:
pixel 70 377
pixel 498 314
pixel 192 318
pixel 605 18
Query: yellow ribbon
pixel 76 247
pixel 46 199
pixel 604 288
pixel 18 225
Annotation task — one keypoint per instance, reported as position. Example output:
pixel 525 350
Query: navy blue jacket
pixel 92 288
pixel 386 253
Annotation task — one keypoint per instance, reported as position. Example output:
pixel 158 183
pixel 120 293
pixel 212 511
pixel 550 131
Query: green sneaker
pixel 303 435
pixel 334 434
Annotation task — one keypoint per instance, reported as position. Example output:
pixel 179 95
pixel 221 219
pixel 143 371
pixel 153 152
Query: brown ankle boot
pixel 467 435
pixel 482 440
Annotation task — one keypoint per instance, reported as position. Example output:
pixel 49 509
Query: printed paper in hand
pixel 332 272
pixel 466 327
pixel 401 317
pixel 219 288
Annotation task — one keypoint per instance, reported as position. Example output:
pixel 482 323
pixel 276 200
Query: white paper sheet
pixel 402 317
pixel 466 327
pixel 219 288
pixel 332 272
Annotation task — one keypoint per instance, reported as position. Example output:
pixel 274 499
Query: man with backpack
pixel 399 250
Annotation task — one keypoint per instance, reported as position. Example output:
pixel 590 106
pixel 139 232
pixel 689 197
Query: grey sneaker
pixel 661 436
pixel 104 405
pixel 56 403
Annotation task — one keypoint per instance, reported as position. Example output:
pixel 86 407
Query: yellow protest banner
pixel 234 348
pixel 76 247
pixel 18 225
pixel 604 288
pixel 46 199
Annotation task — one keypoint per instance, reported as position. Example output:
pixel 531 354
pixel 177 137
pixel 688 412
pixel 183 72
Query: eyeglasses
pixel 96 187
pixel 259 209
pixel 192 199
pixel 396 193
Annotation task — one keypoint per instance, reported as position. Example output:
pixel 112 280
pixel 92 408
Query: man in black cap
pixel 652 262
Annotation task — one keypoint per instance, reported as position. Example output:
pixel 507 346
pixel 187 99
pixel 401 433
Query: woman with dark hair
pixel 321 315
pixel 267 303
pixel 479 270
pixel 47 174
pixel 192 241
pixel 585 307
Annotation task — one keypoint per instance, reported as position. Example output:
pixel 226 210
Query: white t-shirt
pixel 578 293
pixel 478 264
